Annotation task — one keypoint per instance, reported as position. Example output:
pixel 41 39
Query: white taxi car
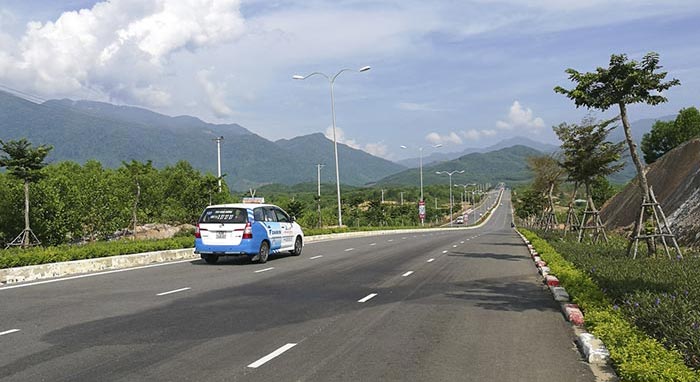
pixel 255 230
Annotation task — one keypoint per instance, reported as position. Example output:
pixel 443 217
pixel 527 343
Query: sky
pixel 462 73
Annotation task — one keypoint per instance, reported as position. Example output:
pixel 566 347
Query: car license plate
pixel 220 235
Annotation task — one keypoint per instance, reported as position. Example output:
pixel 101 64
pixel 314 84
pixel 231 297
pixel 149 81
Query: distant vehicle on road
pixel 459 220
pixel 255 230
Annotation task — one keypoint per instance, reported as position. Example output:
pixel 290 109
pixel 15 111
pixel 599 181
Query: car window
pixel 270 215
pixel 224 215
pixel 259 214
pixel 282 216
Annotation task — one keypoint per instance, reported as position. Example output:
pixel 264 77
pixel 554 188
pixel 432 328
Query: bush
pixel 635 356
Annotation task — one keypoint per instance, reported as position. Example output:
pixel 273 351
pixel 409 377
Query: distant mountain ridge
pixel 84 130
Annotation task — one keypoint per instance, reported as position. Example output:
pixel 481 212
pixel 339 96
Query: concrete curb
pixel 44 271
pixel 592 349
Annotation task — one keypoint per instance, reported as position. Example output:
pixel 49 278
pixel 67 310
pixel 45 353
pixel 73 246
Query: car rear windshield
pixel 224 215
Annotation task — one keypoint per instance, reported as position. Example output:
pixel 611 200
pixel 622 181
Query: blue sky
pixel 460 73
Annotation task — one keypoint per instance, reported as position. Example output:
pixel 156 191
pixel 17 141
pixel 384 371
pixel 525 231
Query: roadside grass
pixel 644 310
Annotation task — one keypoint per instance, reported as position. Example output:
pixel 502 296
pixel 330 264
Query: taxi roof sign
pixel 252 200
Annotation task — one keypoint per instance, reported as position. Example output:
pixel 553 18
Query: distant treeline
pixel 74 202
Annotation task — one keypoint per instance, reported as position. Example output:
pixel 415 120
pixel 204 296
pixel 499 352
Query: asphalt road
pixel 458 305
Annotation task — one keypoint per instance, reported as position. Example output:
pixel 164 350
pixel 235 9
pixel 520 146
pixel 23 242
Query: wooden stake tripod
pixel 652 209
pixel 593 215
pixel 26 236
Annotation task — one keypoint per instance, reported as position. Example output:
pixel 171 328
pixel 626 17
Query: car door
pixel 286 226
pixel 274 231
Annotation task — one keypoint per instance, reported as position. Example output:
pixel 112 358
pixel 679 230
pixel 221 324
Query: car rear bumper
pixel 246 247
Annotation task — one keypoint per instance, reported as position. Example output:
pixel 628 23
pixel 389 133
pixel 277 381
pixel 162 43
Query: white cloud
pixel 118 47
pixel 521 119
pixel 215 94
pixel 377 149
pixel 475 135
pixel 435 138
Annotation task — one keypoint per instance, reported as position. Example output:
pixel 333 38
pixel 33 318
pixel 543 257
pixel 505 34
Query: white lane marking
pixel 349 249
pixel 407 274
pixel 431 260
pixel 404 238
pixel 444 251
pixel 9 332
pixel 454 246
pixel 461 242
pixel 315 257
pixel 390 240
pixel 264 270
pixel 174 291
pixel 271 356
pixel 367 298
pixel 96 274
pixel 373 244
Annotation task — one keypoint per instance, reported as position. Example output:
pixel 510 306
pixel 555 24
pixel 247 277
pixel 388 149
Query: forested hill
pixel 83 130
pixel 505 165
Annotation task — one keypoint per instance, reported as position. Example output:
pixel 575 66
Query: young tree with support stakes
pixel 622 83
pixel 24 162
pixel 587 155
pixel 548 176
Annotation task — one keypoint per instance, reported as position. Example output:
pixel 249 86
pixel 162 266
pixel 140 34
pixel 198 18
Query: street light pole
pixel 218 158
pixel 450 173
pixel 331 81
pixel 420 150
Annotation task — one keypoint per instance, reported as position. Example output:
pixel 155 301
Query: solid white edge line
pixel 97 274
pixel 368 297
pixel 9 332
pixel 264 270
pixel 407 274
pixel 173 291
pixel 431 260
pixel 349 249
pixel 315 257
pixel 271 356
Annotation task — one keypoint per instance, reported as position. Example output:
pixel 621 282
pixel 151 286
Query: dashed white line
pixel 444 251
pixel 407 274
pixel 404 238
pixel 315 257
pixel 271 356
pixel 373 244
pixel 9 332
pixel 349 249
pixel 174 291
pixel 368 297
pixel 390 240
pixel 431 260
pixel 264 270
pixel 454 246
pixel 461 242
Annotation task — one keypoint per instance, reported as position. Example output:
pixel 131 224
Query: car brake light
pixel 248 231
pixel 197 231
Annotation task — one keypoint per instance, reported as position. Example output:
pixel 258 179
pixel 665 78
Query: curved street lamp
pixel 331 81
pixel 450 173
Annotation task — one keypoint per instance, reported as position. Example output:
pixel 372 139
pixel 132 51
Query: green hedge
pixel 16 257
pixel 635 356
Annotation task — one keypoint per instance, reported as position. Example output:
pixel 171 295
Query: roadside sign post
pixel 421 211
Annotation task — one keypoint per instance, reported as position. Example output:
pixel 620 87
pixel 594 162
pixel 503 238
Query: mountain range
pixel 84 130
pixel 111 134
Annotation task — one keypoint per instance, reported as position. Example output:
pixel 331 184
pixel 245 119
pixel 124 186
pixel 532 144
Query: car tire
pixel 264 252
pixel 210 259
pixel 298 246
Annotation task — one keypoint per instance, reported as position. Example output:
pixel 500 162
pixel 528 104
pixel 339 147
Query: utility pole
pixel 383 196
pixel 318 196
pixel 218 158
pixel 401 197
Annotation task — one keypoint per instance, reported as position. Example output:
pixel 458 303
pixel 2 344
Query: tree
pixel 587 156
pixel 24 162
pixel 548 176
pixel 665 136
pixel 622 83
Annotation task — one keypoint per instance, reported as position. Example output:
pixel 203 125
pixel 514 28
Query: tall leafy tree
pixel 24 162
pixel 587 153
pixel 666 135
pixel 623 82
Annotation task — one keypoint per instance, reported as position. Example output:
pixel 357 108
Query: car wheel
pixel 298 246
pixel 264 252
pixel 211 259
